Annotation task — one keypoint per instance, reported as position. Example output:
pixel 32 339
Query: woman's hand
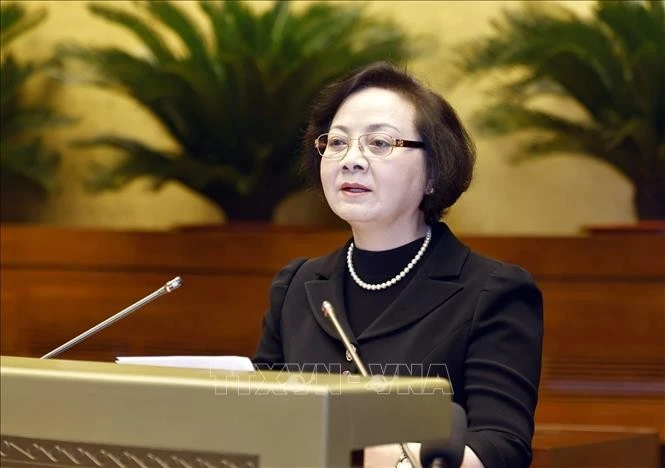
pixel 471 460
pixel 388 455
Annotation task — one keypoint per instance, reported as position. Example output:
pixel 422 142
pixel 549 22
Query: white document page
pixel 228 363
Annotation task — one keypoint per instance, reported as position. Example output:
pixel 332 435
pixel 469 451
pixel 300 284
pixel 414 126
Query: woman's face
pixel 362 188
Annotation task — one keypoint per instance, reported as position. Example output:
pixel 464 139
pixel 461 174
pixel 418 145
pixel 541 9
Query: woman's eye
pixel 336 143
pixel 380 143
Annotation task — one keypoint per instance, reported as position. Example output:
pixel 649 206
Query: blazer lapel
pixel 434 284
pixel 330 287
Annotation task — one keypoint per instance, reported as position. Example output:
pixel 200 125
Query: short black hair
pixel 450 152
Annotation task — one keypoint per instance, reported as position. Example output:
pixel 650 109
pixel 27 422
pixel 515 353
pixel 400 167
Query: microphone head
pixel 175 283
pixel 451 451
pixel 327 309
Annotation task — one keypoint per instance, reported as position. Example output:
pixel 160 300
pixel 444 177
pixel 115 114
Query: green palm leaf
pixel 24 160
pixel 235 102
pixel 15 21
pixel 138 27
pixel 27 118
pixel 180 24
pixel 610 65
pixel 30 162
pixel 141 160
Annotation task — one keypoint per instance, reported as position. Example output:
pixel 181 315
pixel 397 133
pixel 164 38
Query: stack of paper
pixel 229 363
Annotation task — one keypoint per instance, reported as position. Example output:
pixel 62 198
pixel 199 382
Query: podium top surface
pixel 260 380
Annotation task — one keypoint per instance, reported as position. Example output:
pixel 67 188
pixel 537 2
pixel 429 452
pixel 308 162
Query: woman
pixel 391 157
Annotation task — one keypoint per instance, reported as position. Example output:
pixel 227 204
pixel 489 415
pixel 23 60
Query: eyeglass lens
pixel 378 144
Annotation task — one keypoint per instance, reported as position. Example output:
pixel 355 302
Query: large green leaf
pixel 14 77
pixel 15 21
pixel 27 118
pixel 144 31
pixel 30 161
pixel 610 64
pixel 141 160
pixel 183 26
pixel 236 102
pixel 23 157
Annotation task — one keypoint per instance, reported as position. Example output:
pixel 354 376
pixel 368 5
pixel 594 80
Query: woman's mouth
pixel 354 188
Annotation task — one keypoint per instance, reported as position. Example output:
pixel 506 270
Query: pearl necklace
pixel 398 277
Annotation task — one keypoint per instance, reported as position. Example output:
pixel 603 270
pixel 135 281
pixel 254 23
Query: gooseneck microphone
pixel 329 312
pixel 448 453
pixel 172 285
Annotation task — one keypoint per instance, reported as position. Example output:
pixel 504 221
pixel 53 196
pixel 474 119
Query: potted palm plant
pixel 236 104
pixel 609 64
pixel 28 167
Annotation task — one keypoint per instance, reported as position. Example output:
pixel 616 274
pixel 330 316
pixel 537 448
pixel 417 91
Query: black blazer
pixel 465 317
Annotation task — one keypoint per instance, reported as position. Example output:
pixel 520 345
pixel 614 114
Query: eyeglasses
pixel 331 146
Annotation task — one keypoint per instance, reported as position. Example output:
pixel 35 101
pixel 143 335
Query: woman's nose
pixel 354 159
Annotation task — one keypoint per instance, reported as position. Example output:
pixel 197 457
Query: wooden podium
pixel 58 413
pixel 578 446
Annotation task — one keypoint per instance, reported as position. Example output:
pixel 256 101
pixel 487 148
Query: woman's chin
pixel 354 215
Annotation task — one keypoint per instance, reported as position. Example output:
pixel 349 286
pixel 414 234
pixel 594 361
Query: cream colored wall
pixel 553 196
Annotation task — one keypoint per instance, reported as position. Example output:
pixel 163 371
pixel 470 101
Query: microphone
pixel 449 453
pixel 329 312
pixel 172 285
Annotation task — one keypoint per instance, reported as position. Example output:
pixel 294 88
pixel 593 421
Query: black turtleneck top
pixel 373 267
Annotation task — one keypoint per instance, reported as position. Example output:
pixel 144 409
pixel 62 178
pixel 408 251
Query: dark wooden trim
pixel 604 360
